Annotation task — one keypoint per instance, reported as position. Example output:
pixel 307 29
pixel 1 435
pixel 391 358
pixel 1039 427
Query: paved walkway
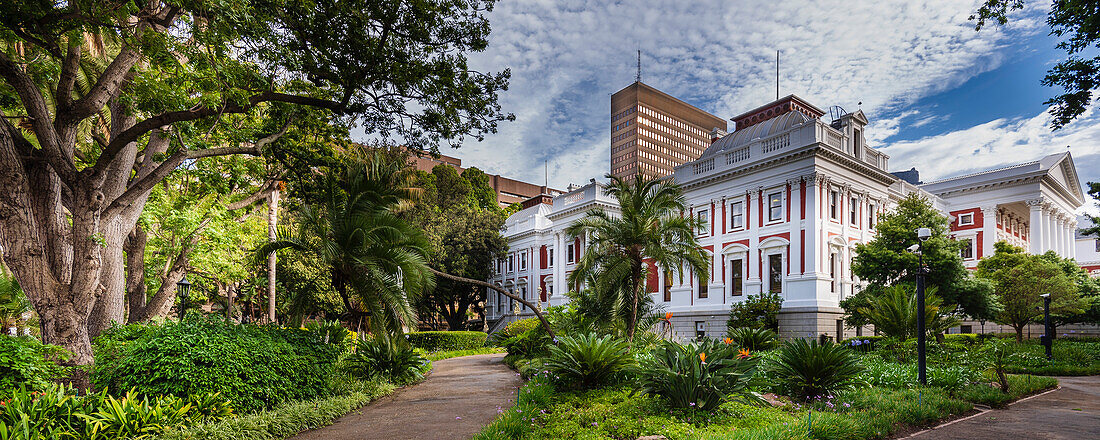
pixel 1072 412
pixel 457 400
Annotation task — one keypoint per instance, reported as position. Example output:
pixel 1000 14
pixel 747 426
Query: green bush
pixel 441 341
pixel 754 339
pixel 58 412
pixel 384 358
pixel 533 342
pixel 700 375
pixel 756 311
pixel 25 362
pixel 808 370
pixel 516 328
pixel 588 360
pixel 252 366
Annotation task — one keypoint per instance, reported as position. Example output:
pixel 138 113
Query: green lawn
pixel 1072 357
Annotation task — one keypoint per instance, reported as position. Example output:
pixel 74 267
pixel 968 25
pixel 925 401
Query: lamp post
pixel 183 290
pixel 1048 334
pixel 923 234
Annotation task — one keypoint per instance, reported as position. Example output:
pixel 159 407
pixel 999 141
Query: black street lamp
pixel 1048 332
pixel 183 290
pixel 923 234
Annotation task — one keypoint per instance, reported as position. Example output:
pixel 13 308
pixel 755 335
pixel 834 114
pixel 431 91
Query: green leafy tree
pixel 376 261
pixel 1077 25
pixel 1088 291
pixel 102 100
pixel 650 227
pixel 462 220
pixel 1019 279
pixel 885 260
pixel 756 311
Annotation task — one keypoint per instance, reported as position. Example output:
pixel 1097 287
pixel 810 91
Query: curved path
pixel 459 397
pixel 1071 412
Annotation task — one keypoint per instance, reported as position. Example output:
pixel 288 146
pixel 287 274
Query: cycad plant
pixel 699 375
pixel 651 227
pixel 894 312
pixel 588 360
pixel 385 357
pixel 376 261
pixel 753 339
pixel 808 370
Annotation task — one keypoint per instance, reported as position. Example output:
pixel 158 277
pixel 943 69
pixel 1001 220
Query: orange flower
pixel 668 316
pixel 744 353
pixel 703 357
pixel 728 341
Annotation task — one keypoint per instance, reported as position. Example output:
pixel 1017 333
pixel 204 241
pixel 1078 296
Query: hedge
pixel 437 341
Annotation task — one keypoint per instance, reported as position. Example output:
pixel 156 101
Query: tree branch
pixel 261 193
pixel 69 66
pixel 39 112
pixel 545 323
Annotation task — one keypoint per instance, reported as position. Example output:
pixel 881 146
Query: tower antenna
pixel 638 77
pixel 546 174
pixel 776 75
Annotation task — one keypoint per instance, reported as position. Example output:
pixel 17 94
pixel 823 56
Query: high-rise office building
pixel 652 132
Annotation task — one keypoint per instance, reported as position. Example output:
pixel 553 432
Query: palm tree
pixel 651 227
pixel 894 312
pixel 13 304
pixel 377 261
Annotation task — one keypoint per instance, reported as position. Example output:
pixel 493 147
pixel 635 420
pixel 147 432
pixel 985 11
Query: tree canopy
pixel 1019 279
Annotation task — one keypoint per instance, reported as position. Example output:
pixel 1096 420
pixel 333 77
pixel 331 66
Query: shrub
pixel 332 332
pixel 700 375
pixel 26 362
pixel 516 328
pixel 588 360
pixel 440 341
pixel 756 311
pixel 58 412
pixel 754 339
pixel 807 369
pixel 384 358
pixel 252 366
pixel 532 342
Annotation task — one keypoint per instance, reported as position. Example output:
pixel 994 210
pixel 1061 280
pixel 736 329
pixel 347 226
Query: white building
pixel 785 201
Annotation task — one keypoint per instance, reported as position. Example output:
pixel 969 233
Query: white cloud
pixel 567 57
pixel 999 143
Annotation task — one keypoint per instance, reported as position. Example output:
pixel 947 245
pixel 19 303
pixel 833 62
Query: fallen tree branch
pixel 545 323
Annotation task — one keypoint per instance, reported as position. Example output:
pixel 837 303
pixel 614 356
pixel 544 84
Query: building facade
pixel 785 199
pixel 652 132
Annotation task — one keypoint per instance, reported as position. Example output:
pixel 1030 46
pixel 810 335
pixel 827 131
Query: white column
pixel 813 203
pixel 989 229
pixel 795 223
pixel 1048 229
pixel 1035 228
pixel 1059 234
pixel 1072 239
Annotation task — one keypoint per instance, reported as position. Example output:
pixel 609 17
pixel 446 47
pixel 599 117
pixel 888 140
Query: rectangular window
pixel 702 216
pixel 832 272
pixel 853 204
pixel 700 329
pixel 737 215
pixel 511 263
pixel 570 253
pixel 967 249
pixel 523 294
pixel 775 206
pixel 523 260
pixel 1098 245
pixel 871 215
pixel 704 288
pixel 966 219
pixel 834 199
pixel 737 277
pixel 549 257
pixel 775 273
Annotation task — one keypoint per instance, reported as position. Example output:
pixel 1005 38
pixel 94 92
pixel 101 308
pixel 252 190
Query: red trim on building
pixel 786 235
pixel 576 250
pixel 711 225
pixel 760 203
pixel 979 220
pixel 1091 268
pixel 788 202
pixel 651 280
pixel 748 211
pixel 802 199
pixel 723 216
pixel 744 242
pixel 542 287
pixel 978 245
pixel 542 257
pixel 802 250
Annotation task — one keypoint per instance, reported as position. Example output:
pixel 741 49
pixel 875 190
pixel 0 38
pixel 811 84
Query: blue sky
pixel 940 96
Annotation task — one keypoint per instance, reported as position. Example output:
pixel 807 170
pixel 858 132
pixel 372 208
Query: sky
pixel 941 97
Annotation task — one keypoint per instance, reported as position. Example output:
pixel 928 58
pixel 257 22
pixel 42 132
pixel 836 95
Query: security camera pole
pixel 923 234
pixel 1048 334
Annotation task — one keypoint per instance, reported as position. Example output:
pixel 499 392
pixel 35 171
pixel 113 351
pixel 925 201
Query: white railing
pixel 833 139
pixel 703 166
pixel 737 155
pixel 778 142
pixel 572 198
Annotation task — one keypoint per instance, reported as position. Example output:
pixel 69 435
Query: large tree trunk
pixel 272 220
pixel 136 289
